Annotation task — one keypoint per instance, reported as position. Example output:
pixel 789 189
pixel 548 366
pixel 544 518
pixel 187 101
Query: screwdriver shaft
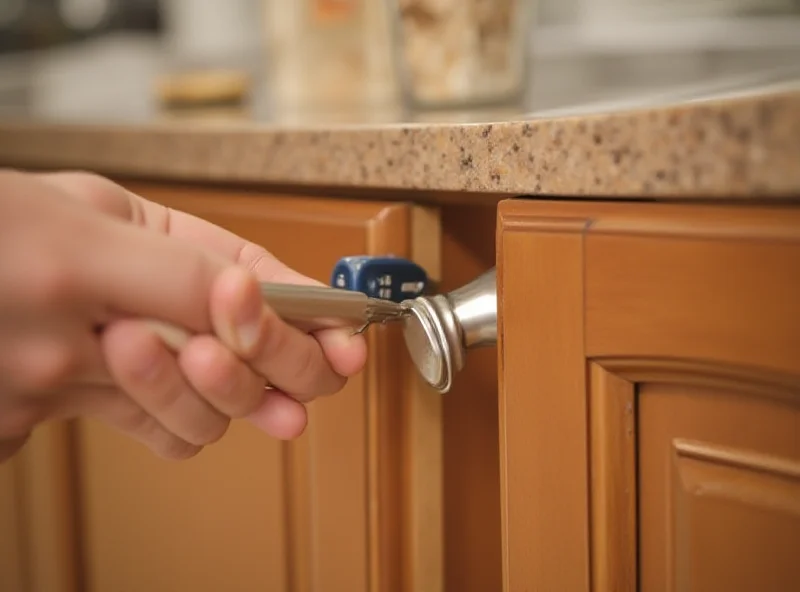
pixel 317 307
pixel 310 308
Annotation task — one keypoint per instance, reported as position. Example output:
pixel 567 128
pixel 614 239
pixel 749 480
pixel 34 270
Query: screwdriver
pixel 311 308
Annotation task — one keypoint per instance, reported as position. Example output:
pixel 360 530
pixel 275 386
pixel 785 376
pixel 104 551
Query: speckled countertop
pixel 743 145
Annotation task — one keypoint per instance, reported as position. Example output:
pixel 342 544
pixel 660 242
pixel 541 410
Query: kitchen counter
pixel 736 140
pixel 634 339
pixel 746 146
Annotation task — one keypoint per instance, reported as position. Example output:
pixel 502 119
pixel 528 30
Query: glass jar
pixel 461 53
pixel 328 57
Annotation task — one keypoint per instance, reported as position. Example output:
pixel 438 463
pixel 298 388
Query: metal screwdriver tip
pixel 381 311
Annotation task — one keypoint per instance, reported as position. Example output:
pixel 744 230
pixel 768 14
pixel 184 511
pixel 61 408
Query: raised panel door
pixel 650 395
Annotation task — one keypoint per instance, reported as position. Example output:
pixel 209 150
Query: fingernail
pixel 341 338
pixel 173 337
pixel 249 324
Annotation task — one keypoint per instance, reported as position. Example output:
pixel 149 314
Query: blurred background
pixel 376 60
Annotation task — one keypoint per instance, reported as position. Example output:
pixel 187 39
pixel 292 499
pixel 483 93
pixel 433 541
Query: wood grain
pixel 13 562
pixel 612 428
pixel 691 321
pixel 719 485
pixel 48 514
pixel 329 511
pixel 424 453
pixel 471 444
pixel 543 407
pixel 695 297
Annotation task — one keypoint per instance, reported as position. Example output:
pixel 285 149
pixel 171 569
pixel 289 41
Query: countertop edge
pixel 745 147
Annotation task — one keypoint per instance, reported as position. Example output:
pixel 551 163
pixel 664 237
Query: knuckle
pixel 48 368
pixel 223 379
pixel 18 423
pixel 133 419
pixel 303 372
pixel 100 193
pixel 244 401
pixel 157 383
pixel 204 433
pixel 51 282
pixel 162 400
pixel 196 276
pixel 229 392
pixel 249 399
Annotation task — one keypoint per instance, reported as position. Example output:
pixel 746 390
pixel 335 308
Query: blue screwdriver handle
pixel 387 277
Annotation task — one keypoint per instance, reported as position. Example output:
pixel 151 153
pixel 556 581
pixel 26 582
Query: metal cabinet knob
pixel 442 328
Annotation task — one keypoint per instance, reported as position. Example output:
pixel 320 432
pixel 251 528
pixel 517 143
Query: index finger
pixel 110 198
pixel 346 353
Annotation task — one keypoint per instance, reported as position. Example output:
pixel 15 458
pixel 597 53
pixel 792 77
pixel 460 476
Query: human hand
pixel 114 263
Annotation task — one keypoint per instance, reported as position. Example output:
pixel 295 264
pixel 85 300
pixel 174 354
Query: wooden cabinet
pixel 646 381
pixel 354 504
pixel 649 396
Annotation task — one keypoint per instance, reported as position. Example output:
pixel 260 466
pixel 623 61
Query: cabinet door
pixel 354 504
pixel 38 531
pixel 12 564
pixel 650 396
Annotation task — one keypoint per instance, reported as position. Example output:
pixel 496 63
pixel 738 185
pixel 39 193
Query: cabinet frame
pixel 595 298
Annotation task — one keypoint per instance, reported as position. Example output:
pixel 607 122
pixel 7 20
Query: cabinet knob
pixel 443 327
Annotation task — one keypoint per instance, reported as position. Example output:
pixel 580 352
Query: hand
pixel 297 364
pixel 76 284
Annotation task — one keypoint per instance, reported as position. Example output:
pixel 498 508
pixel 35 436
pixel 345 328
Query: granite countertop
pixel 740 142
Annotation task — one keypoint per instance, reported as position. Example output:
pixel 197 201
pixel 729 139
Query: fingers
pixel 231 386
pixel 38 358
pixel 224 380
pixel 219 377
pixel 117 410
pixel 146 274
pixel 133 421
pixel 280 416
pixel 289 359
pixel 150 274
pixel 145 369
pixel 345 352
pixel 116 265
pixel 97 192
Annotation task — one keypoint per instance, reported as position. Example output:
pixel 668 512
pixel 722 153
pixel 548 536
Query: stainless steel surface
pixel 309 308
pixel 475 309
pixel 317 307
pixel 442 328
pixel 423 335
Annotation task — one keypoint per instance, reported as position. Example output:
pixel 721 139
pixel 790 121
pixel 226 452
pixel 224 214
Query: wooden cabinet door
pixel 12 565
pixel 649 396
pixel 354 504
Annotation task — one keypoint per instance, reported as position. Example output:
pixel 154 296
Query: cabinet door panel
pixel 719 489
pixel 38 534
pixel 330 511
pixel 12 562
pixel 671 365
